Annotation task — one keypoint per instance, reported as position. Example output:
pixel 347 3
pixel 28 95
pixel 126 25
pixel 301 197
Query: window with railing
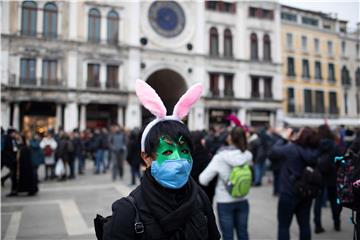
pixel 28 18
pixel 228 44
pixel 221 6
pixel 289 41
pixel 228 90
pixel 112 76
pixel 307 101
pixel 261 13
pixel 50 20
pixel 290 67
pixel 112 27
pixel 305 69
pixel 290 100
pixel 28 71
pixel 268 87
pixel 330 48
pixel 345 76
pixel 253 47
pixel 317 45
pixel 319 102
pixel 214 84
pixel 318 74
pixel 214 42
pixel 289 16
pixel 331 73
pixel 255 93
pixel 93 75
pixel 357 77
pixel 49 72
pixel 94 25
pixel 267 48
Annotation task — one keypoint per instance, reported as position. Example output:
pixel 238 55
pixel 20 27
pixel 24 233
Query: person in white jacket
pixel 232 212
pixel 49 145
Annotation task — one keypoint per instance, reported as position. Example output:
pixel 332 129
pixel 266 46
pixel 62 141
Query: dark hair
pixel 307 138
pixel 172 129
pixel 238 138
pixel 325 132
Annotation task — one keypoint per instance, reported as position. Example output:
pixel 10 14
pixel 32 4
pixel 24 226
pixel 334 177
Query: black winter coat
pixel 296 159
pixel 166 214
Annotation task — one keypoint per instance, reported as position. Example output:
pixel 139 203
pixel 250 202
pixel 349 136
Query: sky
pixel 346 9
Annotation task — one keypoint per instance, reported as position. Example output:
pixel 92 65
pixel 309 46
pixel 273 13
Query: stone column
pixel 16 116
pixel 73 15
pixel 198 118
pixel 102 76
pixel 38 73
pixel 72 68
pixel 5 115
pixel 221 84
pixel 40 21
pixel 261 87
pixel 59 116
pixel 133 113
pixel 82 117
pixel 120 115
pixel 103 27
pixel 71 116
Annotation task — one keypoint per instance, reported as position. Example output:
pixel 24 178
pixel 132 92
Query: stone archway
pixel 169 85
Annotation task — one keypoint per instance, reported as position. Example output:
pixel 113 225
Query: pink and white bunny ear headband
pixel 152 102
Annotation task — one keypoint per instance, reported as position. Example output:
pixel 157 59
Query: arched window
pixel 345 76
pixel 267 48
pixel 228 43
pixel 94 25
pixel 357 77
pixel 28 18
pixel 253 46
pixel 112 27
pixel 50 20
pixel 214 42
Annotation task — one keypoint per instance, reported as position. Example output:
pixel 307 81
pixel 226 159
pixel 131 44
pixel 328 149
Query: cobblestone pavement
pixel 65 210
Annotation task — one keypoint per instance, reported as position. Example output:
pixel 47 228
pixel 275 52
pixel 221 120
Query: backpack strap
pixel 138 225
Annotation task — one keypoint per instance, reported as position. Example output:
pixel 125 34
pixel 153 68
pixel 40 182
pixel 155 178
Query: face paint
pixel 170 150
pixel 173 163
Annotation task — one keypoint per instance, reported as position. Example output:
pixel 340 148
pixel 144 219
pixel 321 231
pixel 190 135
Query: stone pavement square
pixel 65 210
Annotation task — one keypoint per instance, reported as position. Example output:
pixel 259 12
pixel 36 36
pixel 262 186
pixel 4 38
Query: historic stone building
pixel 319 60
pixel 74 63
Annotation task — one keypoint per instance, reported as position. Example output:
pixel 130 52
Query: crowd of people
pixel 285 152
pixel 23 154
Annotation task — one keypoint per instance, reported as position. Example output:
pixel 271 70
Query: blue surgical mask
pixel 172 174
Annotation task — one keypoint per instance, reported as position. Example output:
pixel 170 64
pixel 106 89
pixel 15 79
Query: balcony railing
pixel 112 85
pixel 93 84
pixel 27 81
pixel 50 82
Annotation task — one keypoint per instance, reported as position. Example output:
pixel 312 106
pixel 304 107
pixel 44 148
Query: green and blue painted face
pixel 173 163
pixel 171 150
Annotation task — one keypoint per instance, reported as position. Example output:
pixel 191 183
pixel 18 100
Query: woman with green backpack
pixel 231 164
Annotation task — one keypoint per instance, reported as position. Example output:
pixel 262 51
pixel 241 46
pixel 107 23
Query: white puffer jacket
pixel 221 165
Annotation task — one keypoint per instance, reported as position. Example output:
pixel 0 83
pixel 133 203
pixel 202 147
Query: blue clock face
pixel 167 18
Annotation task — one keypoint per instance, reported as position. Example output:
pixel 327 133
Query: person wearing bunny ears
pixel 167 204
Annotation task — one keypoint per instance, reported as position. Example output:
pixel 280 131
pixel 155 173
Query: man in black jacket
pixel 170 205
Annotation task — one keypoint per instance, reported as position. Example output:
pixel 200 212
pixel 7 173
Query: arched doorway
pixel 169 85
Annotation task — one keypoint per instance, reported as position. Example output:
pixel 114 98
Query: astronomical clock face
pixel 167 18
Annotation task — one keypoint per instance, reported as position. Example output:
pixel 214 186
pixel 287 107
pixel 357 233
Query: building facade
pixel 350 73
pixel 313 69
pixel 74 64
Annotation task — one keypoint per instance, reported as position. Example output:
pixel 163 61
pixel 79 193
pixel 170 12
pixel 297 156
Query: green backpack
pixel 239 181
